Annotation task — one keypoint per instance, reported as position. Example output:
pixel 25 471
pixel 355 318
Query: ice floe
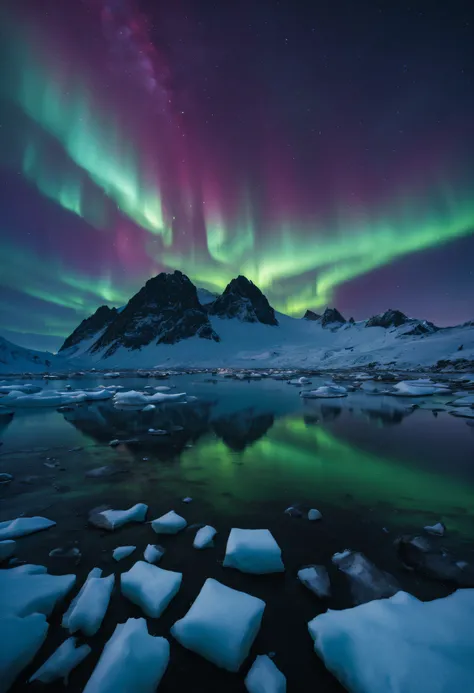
pixel 400 644
pixel 134 398
pixel 149 587
pixel 122 552
pixel 367 581
pixel 132 660
pixel 300 381
pixel 153 553
pixel 316 579
pixel 325 391
pixel 63 660
pixel 28 589
pixel 7 549
pixel 171 523
pixel 20 639
pixel 418 388
pixel 23 526
pixel 265 677
pixel 253 551
pixel 204 537
pixel 91 606
pixel 113 519
pixel 221 625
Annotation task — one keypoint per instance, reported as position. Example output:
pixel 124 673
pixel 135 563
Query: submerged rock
pixel 6 478
pixel 316 579
pixel 427 557
pixel 367 581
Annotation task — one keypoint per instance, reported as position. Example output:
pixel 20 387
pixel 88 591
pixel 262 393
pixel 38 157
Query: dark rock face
pixel 331 315
pixel 89 327
pixel 243 300
pixel 422 328
pixel 427 557
pixel 165 311
pixel 310 315
pixel 391 318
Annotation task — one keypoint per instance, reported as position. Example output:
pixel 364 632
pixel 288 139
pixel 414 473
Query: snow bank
pixel 221 625
pixel 20 639
pixel 29 589
pixel 171 523
pixel 91 606
pixel 253 551
pixel 149 587
pixel 400 644
pixel 265 677
pixel 62 662
pixel 23 526
pixel 132 660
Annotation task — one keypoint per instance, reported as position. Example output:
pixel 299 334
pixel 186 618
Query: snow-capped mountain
pixel 90 327
pixel 243 300
pixel 16 359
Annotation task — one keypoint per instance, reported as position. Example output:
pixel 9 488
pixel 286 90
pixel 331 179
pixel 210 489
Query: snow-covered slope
pixel 299 343
pixel 16 359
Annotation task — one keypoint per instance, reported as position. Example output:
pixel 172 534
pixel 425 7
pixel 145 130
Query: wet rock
pixel 294 511
pixel 438 529
pixel 187 499
pixel 69 552
pixel 316 579
pixel 5 478
pixel 367 581
pixel 428 558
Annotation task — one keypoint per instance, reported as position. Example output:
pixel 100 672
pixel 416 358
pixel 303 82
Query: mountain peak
pixel 90 326
pixel 243 300
pixel 391 318
pixel 311 315
pixel 330 316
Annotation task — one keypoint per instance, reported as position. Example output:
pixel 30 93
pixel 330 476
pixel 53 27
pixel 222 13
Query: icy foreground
pixel 29 589
pixel 20 640
pixel 221 625
pixel 132 660
pixel 62 662
pixel 410 646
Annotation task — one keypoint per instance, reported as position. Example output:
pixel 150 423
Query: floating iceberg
pixel 418 388
pixel 94 573
pixel 122 552
pixel 316 579
pixel 20 640
pixel 149 587
pixel 221 625
pixel 7 549
pixel 253 551
pixel 265 677
pixel 130 398
pixel 62 662
pixel 91 606
pixel 171 523
pixel 204 537
pixel 132 660
pixel 300 381
pixel 98 395
pixel 162 397
pixel 149 407
pixel 113 519
pixel 325 391
pixel 153 553
pixel 28 589
pixel 314 514
pixel 400 644
pixel 367 581
pixel 23 526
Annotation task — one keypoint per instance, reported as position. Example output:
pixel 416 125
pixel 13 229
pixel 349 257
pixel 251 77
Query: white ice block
pixel 29 589
pixel 122 552
pixel 62 662
pixel 23 526
pixel 91 607
pixel 149 587
pixel 253 551
pixel 204 537
pixel 20 640
pixel 265 677
pixel 171 523
pixel 94 573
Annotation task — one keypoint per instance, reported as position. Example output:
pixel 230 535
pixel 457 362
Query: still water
pixel 244 451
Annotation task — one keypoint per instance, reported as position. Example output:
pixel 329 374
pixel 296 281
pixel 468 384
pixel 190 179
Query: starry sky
pixel 324 150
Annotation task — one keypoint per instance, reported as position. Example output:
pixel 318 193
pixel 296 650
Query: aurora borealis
pixel 324 153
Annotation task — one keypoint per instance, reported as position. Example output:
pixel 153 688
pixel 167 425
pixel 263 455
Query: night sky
pixel 324 150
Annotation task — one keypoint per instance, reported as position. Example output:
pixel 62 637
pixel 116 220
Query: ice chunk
pixel 314 514
pixel 400 644
pixel 325 391
pixel 149 407
pixel 367 581
pixel 463 412
pixel 265 677
pixel 122 552
pixel 113 519
pixel 153 553
pixel 438 529
pixel 149 587
pixel 99 395
pixel 171 523
pixel 418 388
pixel 29 589
pixel 253 551
pixel 20 640
pixel 188 499
pixel 23 526
pixel 300 381
pixel 130 398
pixel 7 549
pixel 62 662
pixel 204 537
pixel 161 397
pixel 157 432
pixel 94 573
pixel 316 579
pixel 221 625
pixel 132 660
pixel 90 609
